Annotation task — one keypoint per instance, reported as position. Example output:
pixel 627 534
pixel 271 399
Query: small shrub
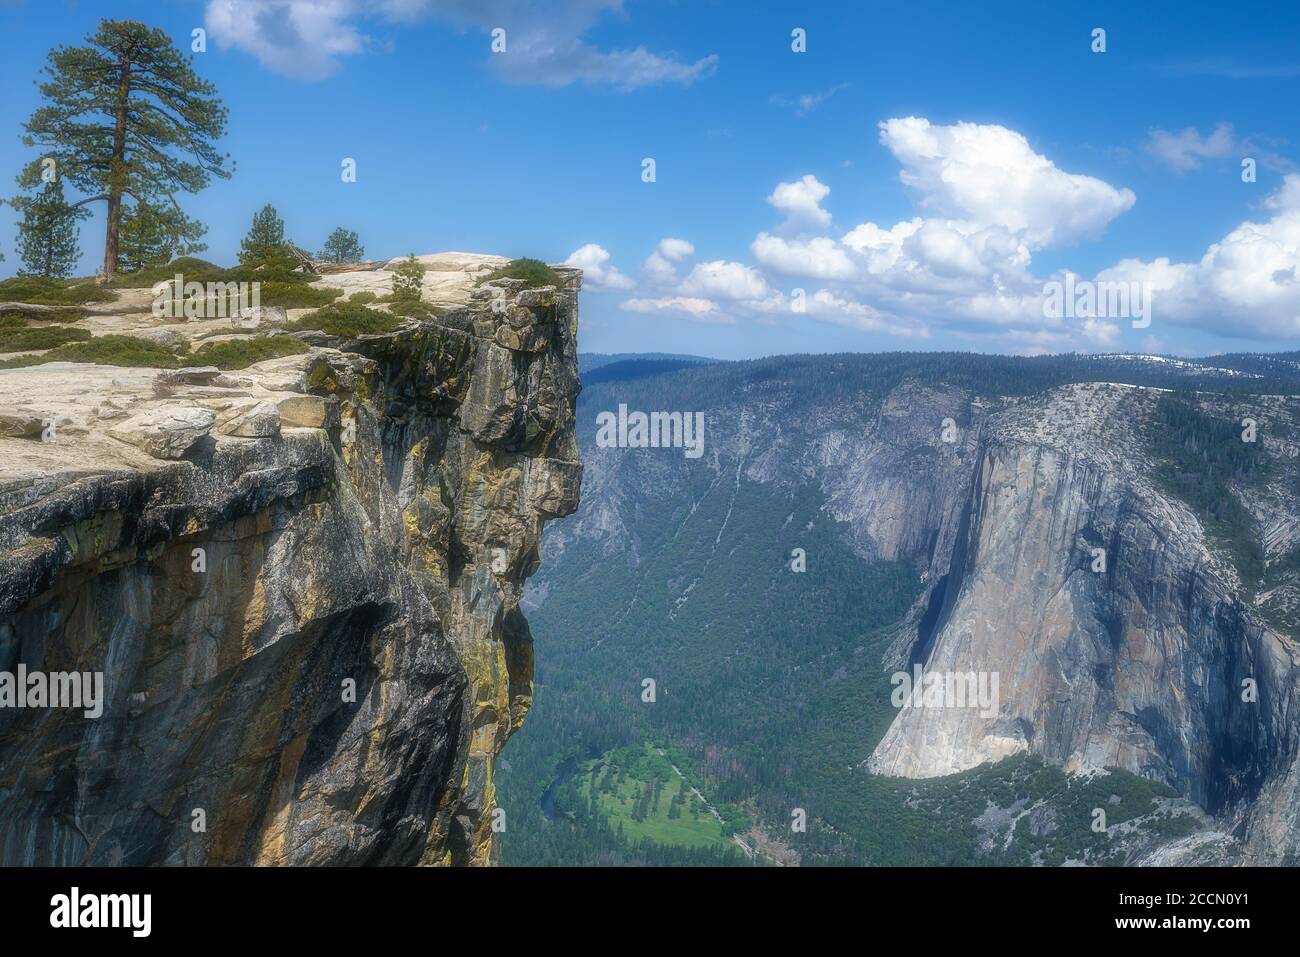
pixel 407 278
pixel 533 272
pixel 242 353
pixel 104 351
pixel 414 309
pixel 347 319
pixel 42 291
pixel 56 315
pixel 292 295
pixel 363 297
pixel 21 337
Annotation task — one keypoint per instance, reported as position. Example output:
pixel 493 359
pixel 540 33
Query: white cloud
pixel 1246 284
pixel 659 265
pixel 544 41
pixel 688 307
pixel 675 249
pixel 801 201
pixel 726 280
pixel 597 272
pixel 828 307
pixel 1184 151
pixel 990 174
pixel 991 201
pixel 965 264
pixel 300 38
pixel 817 258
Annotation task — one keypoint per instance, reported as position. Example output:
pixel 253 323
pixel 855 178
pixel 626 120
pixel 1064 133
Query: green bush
pixel 42 291
pixel 281 282
pixel 363 297
pixel 104 351
pixel 347 319
pixel 17 336
pixel 533 272
pixel 57 315
pixel 191 268
pixel 242 353
pixel 415 309
pixel 292 295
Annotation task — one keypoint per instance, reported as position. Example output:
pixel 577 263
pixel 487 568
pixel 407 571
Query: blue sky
pixel 1025 154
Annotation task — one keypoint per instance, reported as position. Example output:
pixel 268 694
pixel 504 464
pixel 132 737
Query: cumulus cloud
pixel 300 38
pixel 801 201
pixel 989 202
pixel 726 280
pixel 660 265
pixel 991 175
pixel 545 42
pixel 597 271
pixel 816 258
pixel 1247 284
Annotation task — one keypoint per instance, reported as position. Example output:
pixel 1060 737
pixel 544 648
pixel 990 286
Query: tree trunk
pixel 117 172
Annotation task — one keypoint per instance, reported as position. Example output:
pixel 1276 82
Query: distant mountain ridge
pixel 949 506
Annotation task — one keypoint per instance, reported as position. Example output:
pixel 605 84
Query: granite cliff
pixel 300 581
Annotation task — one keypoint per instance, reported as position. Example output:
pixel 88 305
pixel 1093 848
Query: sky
pixel 917 176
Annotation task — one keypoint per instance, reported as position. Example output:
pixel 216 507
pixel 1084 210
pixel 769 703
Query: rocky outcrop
pixel 308 625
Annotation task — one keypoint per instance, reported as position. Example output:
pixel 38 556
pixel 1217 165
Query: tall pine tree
pixel 265 240
pixel 47 233
pixel 126 116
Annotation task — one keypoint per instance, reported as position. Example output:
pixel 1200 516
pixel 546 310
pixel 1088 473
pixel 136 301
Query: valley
pixel 772 685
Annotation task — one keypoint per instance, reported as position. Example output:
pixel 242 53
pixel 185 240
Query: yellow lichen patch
pixel 94 536
pixel 270 851
pixel 254 618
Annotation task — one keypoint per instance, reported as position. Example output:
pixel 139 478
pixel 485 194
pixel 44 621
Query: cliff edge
pixel 300 582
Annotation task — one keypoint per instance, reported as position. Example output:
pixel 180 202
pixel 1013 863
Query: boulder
pixel 261 317
pixel 309 412
pixel 168 338
pixel 199 375
pixel 165 433
pixel 250 420
pixel 18 424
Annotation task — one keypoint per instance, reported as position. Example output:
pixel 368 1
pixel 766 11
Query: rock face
pixel 308 626
pixel 1140 664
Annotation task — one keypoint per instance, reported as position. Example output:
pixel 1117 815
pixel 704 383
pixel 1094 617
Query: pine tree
pixel 47 234
pixel 153 236
pixel 407 278
pixel 126 115
pixel 265 240
pixel 343 246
